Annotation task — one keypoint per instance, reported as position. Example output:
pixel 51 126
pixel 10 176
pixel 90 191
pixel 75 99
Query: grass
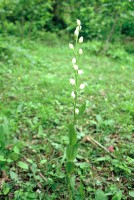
pixel 35 110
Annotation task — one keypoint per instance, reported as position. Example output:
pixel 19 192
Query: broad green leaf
pixel 99 119
pixel 43 161
pixel 70 167
pixel 30 161
pixel 117 196
pixel 72 135
pixel 14 156
pixel 9 160
pixel 131 193
pixel 23 165
pixel 16 150
pixel 71 152
pixel 14 176
pixel 6 188
pixel 2 158
pixel 99 195
pixel 82 109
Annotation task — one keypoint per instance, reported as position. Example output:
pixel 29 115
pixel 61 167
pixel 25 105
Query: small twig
pixel 41 175
pixel 90 139
pixel 9 147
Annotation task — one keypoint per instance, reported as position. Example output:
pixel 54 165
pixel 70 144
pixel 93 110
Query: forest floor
pixel 35 111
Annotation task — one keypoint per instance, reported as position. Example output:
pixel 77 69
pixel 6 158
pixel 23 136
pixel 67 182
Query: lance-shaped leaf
pixel 72 135
pixel 71 152
pixel 23 165
pixel 82 109
pixel 70 167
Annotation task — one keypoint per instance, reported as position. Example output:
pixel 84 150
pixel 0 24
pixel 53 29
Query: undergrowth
pixel 34 99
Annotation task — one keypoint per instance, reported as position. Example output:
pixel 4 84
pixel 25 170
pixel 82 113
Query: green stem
pixel 69 187
pixel 76 96
pixel 76 82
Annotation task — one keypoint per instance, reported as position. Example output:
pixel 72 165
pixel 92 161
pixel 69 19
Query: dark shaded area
pixel 99 18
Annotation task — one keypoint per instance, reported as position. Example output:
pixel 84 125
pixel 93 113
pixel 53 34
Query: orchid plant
pixel 72 147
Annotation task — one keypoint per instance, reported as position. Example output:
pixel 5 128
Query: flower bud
pixel 75 67
pixel 76 32
pixel 73 94
pixel 77 111
pixel 82 86
pixel 81 39
pixel 72 81
pixel 80 72
pixel 78 22
pixel 74 60
pixel 80 51
pixel 71 46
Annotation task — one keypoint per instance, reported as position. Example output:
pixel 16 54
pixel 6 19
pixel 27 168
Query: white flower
pixel 80 72
pixel 71 46
pixel 117 179
pixel 76 32
pixel 82 86
pixel 73 94
pixel 75 67
pixel 77 111
pixel 80 51
pixel 38 191
pixel 72 81
pixel 74 60
pixel 81 39
pixel 78 22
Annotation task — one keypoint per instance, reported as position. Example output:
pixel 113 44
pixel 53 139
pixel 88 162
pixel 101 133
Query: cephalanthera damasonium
pixel 72 147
